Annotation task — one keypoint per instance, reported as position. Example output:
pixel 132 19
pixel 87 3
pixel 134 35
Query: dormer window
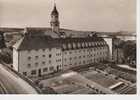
pixel 69 46
pixel 86 44
pixel 83 45
pixel 93 44
pixel 74 46
pixel 96 43
pixel 43 50
pixel 79 45
pixel 64 46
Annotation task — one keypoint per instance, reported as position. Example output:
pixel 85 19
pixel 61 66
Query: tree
pixel 2 41
pixel 129 49
pixel 6 56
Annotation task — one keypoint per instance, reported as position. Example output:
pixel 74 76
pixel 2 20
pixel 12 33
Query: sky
pixel 90 15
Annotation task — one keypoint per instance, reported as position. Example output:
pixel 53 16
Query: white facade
pixel 38 62
pixel 73 58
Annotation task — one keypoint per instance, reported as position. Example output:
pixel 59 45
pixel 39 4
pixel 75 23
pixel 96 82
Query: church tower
pixel 55 20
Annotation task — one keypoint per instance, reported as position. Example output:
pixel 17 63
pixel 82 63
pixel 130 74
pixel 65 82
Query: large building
pixel 46 50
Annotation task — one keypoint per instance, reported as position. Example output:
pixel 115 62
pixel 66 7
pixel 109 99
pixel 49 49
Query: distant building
pixel 43 52
pixel 118 52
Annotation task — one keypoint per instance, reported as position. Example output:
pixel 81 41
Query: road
pixel 11 83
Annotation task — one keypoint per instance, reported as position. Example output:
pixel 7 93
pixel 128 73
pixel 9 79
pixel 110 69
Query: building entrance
pixel 39 72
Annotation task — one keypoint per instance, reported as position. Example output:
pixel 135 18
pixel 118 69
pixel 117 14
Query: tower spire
pixel 55 19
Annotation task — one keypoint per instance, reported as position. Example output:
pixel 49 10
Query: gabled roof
pixel 41 38
pixel 36 42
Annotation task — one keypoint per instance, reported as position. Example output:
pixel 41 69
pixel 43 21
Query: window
pixel 43 63
pixel 70 58
pixel 84 62
pixel 29 65
pixel 43 50
pixel 75 57
pixel 49 61
pixel 45 69
pixel 58 67
pixel 33 72
pixel 59 60
pixel 51 68
pixel 25 73
pixel 58 54
pixel 43 55
pixel 36 57
pixel 50 55
pixel 36 64
pixel 29 58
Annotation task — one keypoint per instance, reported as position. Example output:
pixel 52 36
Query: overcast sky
pixel 94 15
